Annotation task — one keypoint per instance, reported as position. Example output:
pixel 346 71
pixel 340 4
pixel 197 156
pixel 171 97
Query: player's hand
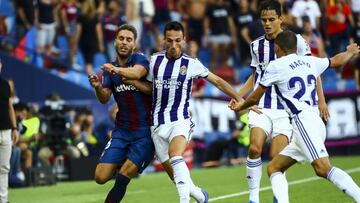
pixel 109 68
pixel 94 81
pixel 324 112
pixel 256 109
pixel 353 48
pixel 15 136
pixel 235 105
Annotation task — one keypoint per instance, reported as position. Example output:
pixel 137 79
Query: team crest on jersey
pixel 183 70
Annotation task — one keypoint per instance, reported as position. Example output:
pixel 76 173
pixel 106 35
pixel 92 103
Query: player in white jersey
pixel 273 121
pixel 172 73
pixel 293 77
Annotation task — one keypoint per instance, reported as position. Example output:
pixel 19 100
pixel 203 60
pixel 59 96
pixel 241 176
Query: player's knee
pixel 254 151
pixel 272 168
pixel 100 178
pixel 321 172
pixel 321 167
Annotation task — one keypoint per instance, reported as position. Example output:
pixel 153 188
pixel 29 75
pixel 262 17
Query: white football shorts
pixel 308 138
pixel 272 121
pixel 164 133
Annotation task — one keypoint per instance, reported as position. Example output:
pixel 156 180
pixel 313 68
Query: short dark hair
pixel 127 27
pixel 174 25
pixel 270 5
pixel 287 41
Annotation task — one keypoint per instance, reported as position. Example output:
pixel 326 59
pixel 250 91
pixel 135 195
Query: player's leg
pixel 254 163
pixel 177 148
pixel 104 172
pixel 260 127
pixel 276 168
pixel 197 193
pixel 311 133
pixel 278 143
pixel 127 171
pixel 338 177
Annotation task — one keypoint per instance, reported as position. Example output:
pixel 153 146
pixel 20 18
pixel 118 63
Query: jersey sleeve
pixel 199 70
pixel 150 75
pixel 321 64
pixel 140 59
pixel 271 75
pixel 105 79
pixel 303 47
pixel 254 60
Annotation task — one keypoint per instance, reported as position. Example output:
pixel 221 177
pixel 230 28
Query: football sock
pixel 279 186
pixel 344 182
pixel 118 191
pixel 196 192
pixel 253 176
pixel 181 177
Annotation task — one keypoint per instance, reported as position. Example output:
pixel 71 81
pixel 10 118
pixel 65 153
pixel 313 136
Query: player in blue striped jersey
pixel 172 73
pixel 273 121
pixel 292 77
pixel 130 148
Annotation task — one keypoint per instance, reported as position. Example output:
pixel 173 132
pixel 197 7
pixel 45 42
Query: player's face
pixel 124 43
pixel 174 43
pixel 271 22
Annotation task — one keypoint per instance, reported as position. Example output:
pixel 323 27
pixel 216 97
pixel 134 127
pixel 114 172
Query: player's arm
pixel 134 73
pixel 251 100
pixel 247 87
pixel 223 86
pixel 102 94
pixel 142 86
pixel 343 57
pixel 324 112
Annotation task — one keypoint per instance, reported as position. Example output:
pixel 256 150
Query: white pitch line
pixel 304 180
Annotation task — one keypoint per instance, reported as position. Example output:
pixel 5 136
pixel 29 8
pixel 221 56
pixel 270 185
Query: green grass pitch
pixel 225 185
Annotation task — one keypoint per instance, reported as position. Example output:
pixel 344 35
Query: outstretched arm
pixel 343 57
pixel 222 85
pixel 134 73
pixel 250 101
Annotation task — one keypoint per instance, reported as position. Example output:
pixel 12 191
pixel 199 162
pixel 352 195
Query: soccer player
pixel 293 77
pixel 273 120
pixel 130 146
pixel 172 73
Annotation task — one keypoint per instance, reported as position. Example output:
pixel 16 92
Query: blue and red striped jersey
pixel 134 106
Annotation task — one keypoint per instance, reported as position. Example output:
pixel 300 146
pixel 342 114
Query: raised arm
pixel 343 57
pixel 134 73
pixel 223 86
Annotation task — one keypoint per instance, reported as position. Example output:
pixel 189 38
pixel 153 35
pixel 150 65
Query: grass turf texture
pixel 156 188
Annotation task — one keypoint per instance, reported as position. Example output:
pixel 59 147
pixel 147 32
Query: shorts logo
pixel 183 70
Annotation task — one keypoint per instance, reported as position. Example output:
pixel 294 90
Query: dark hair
pixel 174 25
pixel 287 41
pixel 127 27
pixel 305 19
pixel 270 5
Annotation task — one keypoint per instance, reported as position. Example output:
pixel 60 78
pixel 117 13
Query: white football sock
pixel 253 176
pixel 344 182
pixel 181 177
pixel 196 192
pixel 279 186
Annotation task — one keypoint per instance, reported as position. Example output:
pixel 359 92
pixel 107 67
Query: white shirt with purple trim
pixel 294 80
pixel 172 83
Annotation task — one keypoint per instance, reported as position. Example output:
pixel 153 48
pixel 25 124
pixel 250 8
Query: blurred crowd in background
pixel 72 32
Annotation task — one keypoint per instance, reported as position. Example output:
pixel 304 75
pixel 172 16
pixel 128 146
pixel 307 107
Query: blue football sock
pixel 118 191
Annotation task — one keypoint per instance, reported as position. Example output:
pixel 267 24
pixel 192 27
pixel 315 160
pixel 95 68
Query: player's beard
pixel 124 56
